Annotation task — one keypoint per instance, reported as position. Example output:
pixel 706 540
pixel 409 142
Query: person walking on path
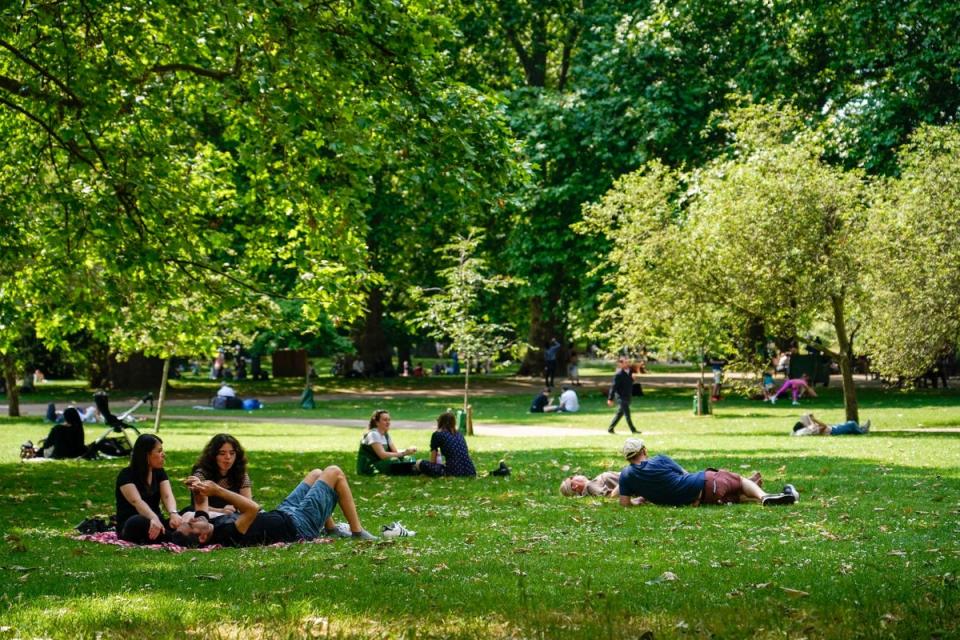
pixel 622 390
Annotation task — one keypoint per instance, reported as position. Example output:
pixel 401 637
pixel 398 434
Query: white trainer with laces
pixel 397 530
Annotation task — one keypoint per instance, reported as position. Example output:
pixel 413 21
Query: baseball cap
pixel 632 447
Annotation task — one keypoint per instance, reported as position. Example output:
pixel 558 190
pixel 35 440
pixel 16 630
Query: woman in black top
pixel 141 487
pixel 65 440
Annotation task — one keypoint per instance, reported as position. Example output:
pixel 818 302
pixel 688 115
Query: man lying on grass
pixel 660 480
pixel 304 515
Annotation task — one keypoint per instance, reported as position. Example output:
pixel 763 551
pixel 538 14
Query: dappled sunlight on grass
pixel 871 550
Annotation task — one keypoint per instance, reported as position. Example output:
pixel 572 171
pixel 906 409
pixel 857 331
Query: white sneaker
pixel 773 399
pixel 796 404
pixel 865 427
pixel 397 530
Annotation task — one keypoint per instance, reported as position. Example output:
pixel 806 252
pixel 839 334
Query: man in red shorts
pixel 660 480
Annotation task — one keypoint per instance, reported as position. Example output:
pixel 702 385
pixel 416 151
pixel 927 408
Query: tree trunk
pixel 13 393
pixel 543 328
pixel 846 360
pixel 370 339
pixel 162 395
pixel 466 384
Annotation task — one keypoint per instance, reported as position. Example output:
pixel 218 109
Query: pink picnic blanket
pixel 110 537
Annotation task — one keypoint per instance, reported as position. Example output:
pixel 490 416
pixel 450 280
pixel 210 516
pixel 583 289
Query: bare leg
pixel 335 477
pixel 750 491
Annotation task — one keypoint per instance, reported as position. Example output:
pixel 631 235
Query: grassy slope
pixel 873 543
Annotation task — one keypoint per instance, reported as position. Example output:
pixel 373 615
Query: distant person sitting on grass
pixel 449 455
pixel 607 485
pixel 660 480
pixel 810 426
pixel 541 401
pixel 798 387
pixel 305 514
pixel 64 440
pixel 568 402
pixel 378 454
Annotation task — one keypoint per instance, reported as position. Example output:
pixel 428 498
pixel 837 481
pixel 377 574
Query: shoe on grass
pixel 777 499
pixel 363 534
pixel 796 403
pixel 501 471
pixel 865 427
pixel 396 530
pixel 341 530
pixel 792 491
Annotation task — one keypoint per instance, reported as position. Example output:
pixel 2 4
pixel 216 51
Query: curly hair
pixel 375 417
pixel 207 462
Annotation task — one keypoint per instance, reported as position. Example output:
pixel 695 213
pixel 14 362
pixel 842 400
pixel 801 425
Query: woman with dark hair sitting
pixel 378 454
pixel 449 455
pixel 141 487
pixel 64 440
pixel 224 462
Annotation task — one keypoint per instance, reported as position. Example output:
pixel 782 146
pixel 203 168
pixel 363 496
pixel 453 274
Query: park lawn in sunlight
pixel 871 550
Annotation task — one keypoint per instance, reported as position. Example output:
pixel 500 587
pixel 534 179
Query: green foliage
pixel 913 250
pixel 767 235
pixel 456 312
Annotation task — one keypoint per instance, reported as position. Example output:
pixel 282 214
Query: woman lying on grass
pixel 449 455
pixel 607 485
pixel 140 489
pixel 224 462
pixel 377 452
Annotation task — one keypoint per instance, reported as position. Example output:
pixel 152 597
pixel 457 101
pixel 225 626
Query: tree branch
pixel 19 88
pixel 71 147
pixel 49 76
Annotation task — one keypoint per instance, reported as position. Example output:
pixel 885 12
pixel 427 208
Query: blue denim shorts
pixel 309 507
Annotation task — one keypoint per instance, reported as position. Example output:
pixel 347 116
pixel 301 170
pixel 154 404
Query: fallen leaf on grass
pixel 898 552
pixel 794 593
pixel 210 576
pixel 666 576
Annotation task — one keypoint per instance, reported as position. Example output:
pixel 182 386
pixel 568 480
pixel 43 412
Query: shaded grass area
pixel 871 551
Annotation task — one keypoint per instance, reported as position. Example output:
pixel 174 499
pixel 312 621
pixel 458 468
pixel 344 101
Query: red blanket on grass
pixel 110 537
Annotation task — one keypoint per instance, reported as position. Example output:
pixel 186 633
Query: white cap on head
pixel 632 447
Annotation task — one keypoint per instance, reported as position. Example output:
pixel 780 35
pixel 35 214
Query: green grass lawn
pixel 872 550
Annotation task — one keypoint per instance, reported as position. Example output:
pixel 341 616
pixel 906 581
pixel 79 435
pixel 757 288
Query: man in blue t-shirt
pixel 660 480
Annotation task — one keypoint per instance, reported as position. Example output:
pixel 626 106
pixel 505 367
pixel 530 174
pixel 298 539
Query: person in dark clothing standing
pixel 622 389
pixel 550 362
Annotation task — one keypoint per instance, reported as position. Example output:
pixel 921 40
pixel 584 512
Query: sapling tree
pixel 455 311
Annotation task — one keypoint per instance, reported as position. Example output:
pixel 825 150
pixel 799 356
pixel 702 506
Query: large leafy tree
pixel 617 84
pixel 768 235
pixel 913 248
pixel 206 156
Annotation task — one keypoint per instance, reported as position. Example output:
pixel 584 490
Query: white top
pixel 812 430
pixel 569 401
pixel 375 437
pixel 226 391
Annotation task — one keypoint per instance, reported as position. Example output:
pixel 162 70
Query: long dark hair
pixel 446 422
pixel 375 417
pixel 207 462
pixel 138 459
